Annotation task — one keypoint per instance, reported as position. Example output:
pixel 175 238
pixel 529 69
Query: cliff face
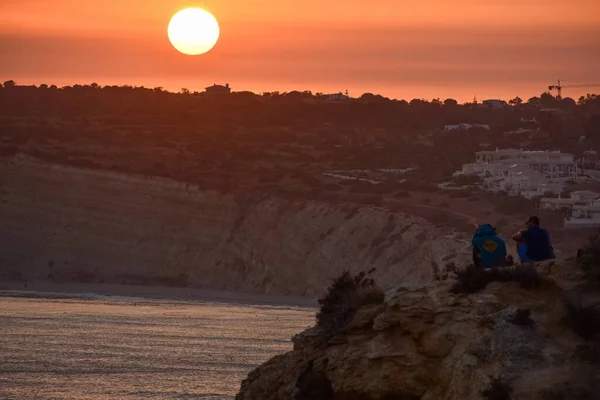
pixel 426 343
pixel 62 223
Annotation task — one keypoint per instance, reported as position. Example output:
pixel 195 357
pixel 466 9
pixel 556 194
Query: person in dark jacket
pixel 489 250
pixel 533 243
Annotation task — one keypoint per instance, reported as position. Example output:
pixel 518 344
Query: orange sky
pixel 399 48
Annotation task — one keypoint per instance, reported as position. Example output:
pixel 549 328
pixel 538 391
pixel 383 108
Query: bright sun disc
pixel 193 31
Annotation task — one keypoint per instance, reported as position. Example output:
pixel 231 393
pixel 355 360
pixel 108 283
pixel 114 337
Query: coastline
pixel 94 291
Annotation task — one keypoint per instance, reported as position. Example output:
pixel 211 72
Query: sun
pixel 193 31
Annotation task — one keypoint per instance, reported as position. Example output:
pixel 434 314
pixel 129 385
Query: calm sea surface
pixel 107 348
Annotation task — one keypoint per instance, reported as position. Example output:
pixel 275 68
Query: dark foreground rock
pixel 427 343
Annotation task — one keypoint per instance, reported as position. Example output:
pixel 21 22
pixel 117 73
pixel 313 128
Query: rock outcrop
pixel 70 224
pixel 427 343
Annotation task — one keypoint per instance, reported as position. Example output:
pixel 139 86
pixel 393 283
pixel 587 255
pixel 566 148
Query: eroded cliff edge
pixel 70 224
pixel 424 342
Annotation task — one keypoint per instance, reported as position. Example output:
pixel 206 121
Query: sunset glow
pixel 433 48
pixel 193 31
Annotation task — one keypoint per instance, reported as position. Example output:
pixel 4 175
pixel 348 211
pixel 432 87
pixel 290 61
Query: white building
pixel 466 127
pixel 555 204
pixel 525 173
pixel 553 164
pixel 579 198
pixel 525 155
pixel 583 208
pixel 584 216
pixel 516 180
pixel 543 189
pixel 586 196
pixel 590 211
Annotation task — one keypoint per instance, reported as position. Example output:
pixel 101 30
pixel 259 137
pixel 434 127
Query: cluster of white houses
pixel 537 173
pixel 522 173
pixel 581 207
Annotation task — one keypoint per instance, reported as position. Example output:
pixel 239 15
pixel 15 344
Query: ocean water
pixel 127 348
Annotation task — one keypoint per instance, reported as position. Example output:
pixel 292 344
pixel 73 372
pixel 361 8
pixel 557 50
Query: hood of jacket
pixel 485 230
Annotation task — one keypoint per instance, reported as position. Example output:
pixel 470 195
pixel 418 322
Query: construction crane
pixel 559 87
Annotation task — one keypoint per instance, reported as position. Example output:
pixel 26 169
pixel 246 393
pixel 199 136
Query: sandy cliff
pixel 63 224
pixel 426 343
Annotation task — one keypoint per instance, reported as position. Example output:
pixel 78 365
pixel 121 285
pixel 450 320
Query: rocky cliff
pixel 68 224
pixel 427 343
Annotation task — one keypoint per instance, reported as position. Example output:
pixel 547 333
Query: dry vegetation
pixel 344 296
pixel 473 279
pixel 278 144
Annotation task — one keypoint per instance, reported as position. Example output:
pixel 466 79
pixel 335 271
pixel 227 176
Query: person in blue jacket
pixel 489 250
pixel 533 243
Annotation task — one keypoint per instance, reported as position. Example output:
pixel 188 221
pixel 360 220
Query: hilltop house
pixel 494 104
pixel 338 97
pixel 218 89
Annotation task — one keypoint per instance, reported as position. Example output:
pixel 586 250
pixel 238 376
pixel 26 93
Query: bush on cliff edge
pixel 345 295
pixel 473 279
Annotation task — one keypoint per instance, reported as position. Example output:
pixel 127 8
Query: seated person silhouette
pixel 489 250
pixel 533 242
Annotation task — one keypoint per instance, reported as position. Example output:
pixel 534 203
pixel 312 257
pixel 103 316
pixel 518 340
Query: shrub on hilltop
pixel 344 296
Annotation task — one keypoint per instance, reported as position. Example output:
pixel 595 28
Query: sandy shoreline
pixel 54 290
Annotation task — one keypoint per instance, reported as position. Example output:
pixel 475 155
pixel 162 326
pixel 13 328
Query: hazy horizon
pixel 428 50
